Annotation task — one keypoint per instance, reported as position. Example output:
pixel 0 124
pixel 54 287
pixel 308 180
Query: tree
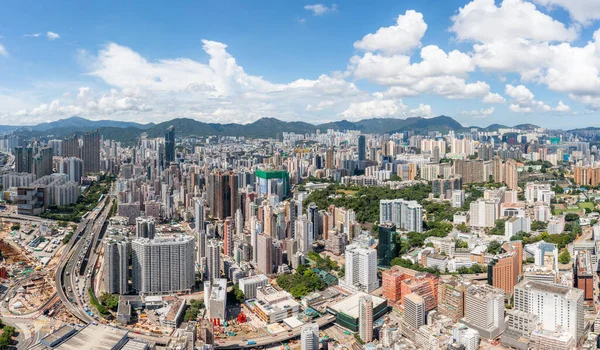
pixel 494 247
pixel 461 244
pixel 15 227
pixel 571 217
pixel 111 301
pixel 564 257
pixel 237 295
pixel 462 227
pixel 538 225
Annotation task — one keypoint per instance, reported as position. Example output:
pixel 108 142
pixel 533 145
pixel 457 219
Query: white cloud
pixel 479 114
pixel 582 11
pixel 218 90
pixel 398 70
pixel 523 101
pixel 52 36
pixel 3 51
pixel 493 98
pixel 33 35
pixel 377 108
pixel 521 94
pixel 400 38
pixel 320 9
pixel 483 21
pixel 447 86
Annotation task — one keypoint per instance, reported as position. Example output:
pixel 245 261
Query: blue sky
pixel 479 61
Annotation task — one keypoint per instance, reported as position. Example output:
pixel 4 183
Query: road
pixel 278 338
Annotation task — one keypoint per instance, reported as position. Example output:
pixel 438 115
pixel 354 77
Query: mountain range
pixel 262 128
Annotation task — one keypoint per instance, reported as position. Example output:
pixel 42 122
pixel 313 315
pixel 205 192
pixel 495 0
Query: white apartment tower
pixel 163 265
pixel 406 215
pixel 361 268
pixel 116 265
pixel 553 305
pixel 309 336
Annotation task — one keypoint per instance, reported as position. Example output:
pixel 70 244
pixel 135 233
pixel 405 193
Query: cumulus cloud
pixel 3 51
pixel 400 38
pixel 218 90
pixel 582 11
pixel 320 9
pixel 377 108
pixel 493 98
pixel 52 36
pixel 483 21
pixel 478 114
pixel 523 101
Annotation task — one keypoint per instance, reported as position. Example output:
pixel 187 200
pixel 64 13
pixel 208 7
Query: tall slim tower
pixel 228 236
pixel 169 146
pixel 265 254
pixel 213 260
pixel 365 318
pixel 362 149
pixel 309 336
pixel 91 152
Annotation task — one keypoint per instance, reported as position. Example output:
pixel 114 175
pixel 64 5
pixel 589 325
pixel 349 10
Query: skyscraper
pixel 116 265
pixel 554 306
pixel 362 148
pixel 213 260
pixel 489 323
pixel 169 146
pixel 163 265
pixel 222 194
pixel 265 254
pixel 42 162
pixel 145 227
pixel 228 236
pixel 309 336
pixel 406 215
pixel 361 268
pixel 71 166
pixel 365 318
pixel 91 152
pixel 414 315
pixel 70 147
pixel 387 248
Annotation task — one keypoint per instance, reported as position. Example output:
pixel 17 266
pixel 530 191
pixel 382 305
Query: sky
pixel 480 62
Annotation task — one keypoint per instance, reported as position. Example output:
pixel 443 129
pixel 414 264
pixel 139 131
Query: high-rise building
pixel 309 336
pixel 387 248
pixel 213 260
pixel 116 265
pixel 362 148
pixel 329 159
pixel 451 299
pixel 483 213
pixel 484 310
pixel 42 162
pixel 361 268
pixel 406 215
pixel 505 269
pixel 222 194
pixel 365 318
pixel 584 274
pixel 169 146
pixel 414 310
pixel 70 147
pixel 466 336
pixel 228 237
pixel 265 254
pixel 145 227
pixel 215 298
pixel 163 265
pixel 556 307
pixel 72 166
pixel 90 152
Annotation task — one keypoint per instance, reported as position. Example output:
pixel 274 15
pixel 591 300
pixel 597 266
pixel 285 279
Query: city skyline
pixel 395 60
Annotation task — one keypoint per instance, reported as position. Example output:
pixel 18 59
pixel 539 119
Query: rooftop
pixel 349 306
pixel 94 338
